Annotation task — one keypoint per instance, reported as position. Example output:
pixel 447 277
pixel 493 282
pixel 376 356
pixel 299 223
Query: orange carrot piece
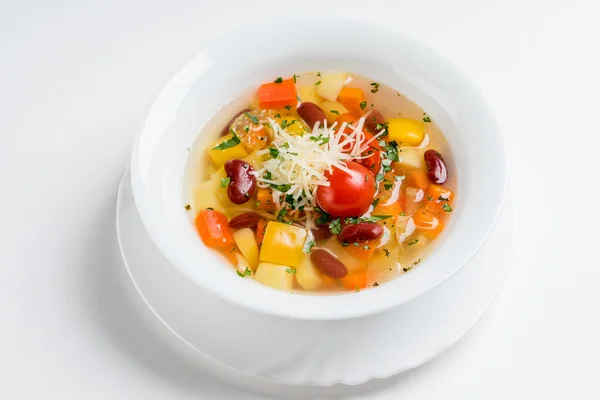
pixel 351 98
pixel 214 230
pixel 357 280
pixel 349 118
pixel 265 199
pixel 275 95
pixel 260 230
pixel 428 224
pixel 255 139
pixel 364 252
pixel 393 209
pixel 419 179
pixel 437 191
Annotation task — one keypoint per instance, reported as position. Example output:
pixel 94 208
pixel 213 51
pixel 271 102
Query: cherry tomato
pixel 349 194
pixel 373 162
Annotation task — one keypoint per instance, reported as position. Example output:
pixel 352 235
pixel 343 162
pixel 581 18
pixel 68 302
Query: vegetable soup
pixel 322 182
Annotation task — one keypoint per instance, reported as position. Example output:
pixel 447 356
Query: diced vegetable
pixel 214 230
pixel 344 256
pixel 438 192
pixel 254 159
pixel 264 199
pixel 220 157
pixel 428 224
pixel 206 197
pixel 283 244
pixel 246 243
pixel 393 209
pixel 274 275
pixel 255 138
pixel 275 95
pixel 332 110
pixel 364 251
pixel 355 281
pixel 410 158
pixel 293 125
pixel 307 275
pixel 407 131
pixel 261 228
pixel 405 226
pixel 331 84
pixel 419 179
pixel 349 118
pixel 353 99
pixel 308 93
pixel 413 198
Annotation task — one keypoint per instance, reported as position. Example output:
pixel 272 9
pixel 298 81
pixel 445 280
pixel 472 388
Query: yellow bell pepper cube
pixel 283 244
pixel 220 157
pixel 407 131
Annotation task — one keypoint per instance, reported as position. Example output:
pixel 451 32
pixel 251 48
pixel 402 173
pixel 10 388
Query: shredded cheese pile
pixel 299 162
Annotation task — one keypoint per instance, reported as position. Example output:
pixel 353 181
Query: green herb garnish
pixel 335 226
pixel 308 246
pixel 188 207
pixel 281 214
pixel 363 105
pixel 278 80
pixel 336 112
pixel 253 118
pixel 375 202
pixel 379 177
pixel 291 270
pixel 234 141
pixel 413 242
pixel 375 218
pixel 387 252
pixel 247 272
pixel 375 87
pixel 426 118
pixel 294 78
pixel 446 207
pixel 273 152
pixel 287 107
pixel 225 182
pixel 317 83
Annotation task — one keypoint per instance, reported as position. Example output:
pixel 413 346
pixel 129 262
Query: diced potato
pixel 405 226
pixel 220 157
pixel 275 275
pixel 331 84
pixel 283 244
pixel 307 275
pixel 309 93
pixel 410 159
pixel 242 265
pixel 205 197
pixel 246 243
pixel 413 198
pixel 408 132
pixel 253 159
pixel 293 125
pixel 332 110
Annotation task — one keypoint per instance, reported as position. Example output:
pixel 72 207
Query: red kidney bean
pixel 310 113
pixel 325 262
pixel 242 185
pixel 226 128
pixel 358 232
pixel 321 233
pixel 373 119
pixel 436 167
pixel 246 220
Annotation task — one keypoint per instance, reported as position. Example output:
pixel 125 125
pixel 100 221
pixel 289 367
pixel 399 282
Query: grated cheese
pixel 303 160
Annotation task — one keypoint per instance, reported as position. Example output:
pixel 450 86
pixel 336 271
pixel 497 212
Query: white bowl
pixel 242 60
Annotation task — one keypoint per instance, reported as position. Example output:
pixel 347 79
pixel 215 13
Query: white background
pixel 76 76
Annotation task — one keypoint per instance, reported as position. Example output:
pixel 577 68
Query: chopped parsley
pixel 323 217
pixel 291 270
pixel 379 177
pixel 273 152
pixel 375 218
pixel 406 269
pixel 376 284
pixel 209 208
pixel 387 252
pixel 247 272
pixel 225 182
pixel 281 214
pixel 234 141
pixel 426 118
pixel 391 151
pixel 446 207
pixel 253 118
pixel 345 244
pixel 317 83
pixel 278 80
pixel 375 202
pixel 308 246
pixel 402 214
pixel 442 198
pixel 336 112
pixel 374 87
pixel 288 107
pixel 188 207
pixel 335 226
pixel 363 104
pixel 413 242
pixel 387 184
pixel 319 138
pixel 277 115
pixel 294 78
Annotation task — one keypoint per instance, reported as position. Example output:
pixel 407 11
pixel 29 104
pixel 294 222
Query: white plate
pixel 311 353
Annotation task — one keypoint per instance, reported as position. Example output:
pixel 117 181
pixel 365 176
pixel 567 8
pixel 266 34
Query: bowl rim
pixel 316 312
